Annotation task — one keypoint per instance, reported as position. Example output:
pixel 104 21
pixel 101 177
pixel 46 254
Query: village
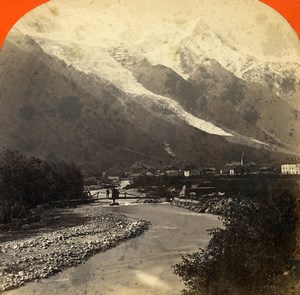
pixel 185 180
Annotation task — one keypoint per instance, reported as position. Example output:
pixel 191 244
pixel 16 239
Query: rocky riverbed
pixel 31 256
pixel 212 205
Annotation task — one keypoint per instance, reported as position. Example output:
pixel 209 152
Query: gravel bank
pixel 50 251
pixel 213 205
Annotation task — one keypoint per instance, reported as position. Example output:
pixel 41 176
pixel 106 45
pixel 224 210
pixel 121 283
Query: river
pixel 140 266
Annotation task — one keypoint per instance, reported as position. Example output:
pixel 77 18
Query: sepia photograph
pixel 150 148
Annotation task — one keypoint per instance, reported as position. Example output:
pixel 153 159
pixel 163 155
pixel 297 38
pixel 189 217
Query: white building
pixel 191 172
pixel 290 169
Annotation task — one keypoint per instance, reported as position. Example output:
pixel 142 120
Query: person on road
pixel 107 193
pixel 114 195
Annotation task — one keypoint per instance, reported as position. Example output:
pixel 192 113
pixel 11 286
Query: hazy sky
pixel 249 25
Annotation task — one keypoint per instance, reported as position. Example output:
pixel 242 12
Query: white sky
pixel 249 25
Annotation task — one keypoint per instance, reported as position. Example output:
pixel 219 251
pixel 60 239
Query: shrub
pixel 247 256
pixel 28 182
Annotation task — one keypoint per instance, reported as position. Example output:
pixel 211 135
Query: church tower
pixel 243 159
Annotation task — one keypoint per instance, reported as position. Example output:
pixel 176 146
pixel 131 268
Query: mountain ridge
pixel 209 84
pixel 52 110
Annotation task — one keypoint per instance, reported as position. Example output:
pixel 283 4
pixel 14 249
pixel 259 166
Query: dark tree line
pixel 28 182
pixel 250 254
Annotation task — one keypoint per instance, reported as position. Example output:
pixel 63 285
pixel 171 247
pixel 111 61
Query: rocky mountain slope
pixel 204 42
pixel 52 110
pixel 213 93
pixel 201 67
pixel 56 112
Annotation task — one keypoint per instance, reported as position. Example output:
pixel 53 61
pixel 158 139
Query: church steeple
pixel 243 159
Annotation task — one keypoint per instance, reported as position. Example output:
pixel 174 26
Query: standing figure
pixel 114 195
pixel 107 193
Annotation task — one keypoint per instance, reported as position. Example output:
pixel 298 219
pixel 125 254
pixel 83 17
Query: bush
pixel 28 182
pixel 247 256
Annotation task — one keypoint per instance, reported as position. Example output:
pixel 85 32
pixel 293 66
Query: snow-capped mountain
pixel 283 77
pixel 55 111
pixel 184 91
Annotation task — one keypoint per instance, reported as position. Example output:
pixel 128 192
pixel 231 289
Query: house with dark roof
pixel 236 167
pixel 173 173
pixel 190 171
pixel 209 171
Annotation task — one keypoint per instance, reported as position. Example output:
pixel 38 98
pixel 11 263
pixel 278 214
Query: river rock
pixel 69 247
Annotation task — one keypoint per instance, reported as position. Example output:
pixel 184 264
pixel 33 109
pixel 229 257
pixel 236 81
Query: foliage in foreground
pixel 249 255
pixel 28 182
